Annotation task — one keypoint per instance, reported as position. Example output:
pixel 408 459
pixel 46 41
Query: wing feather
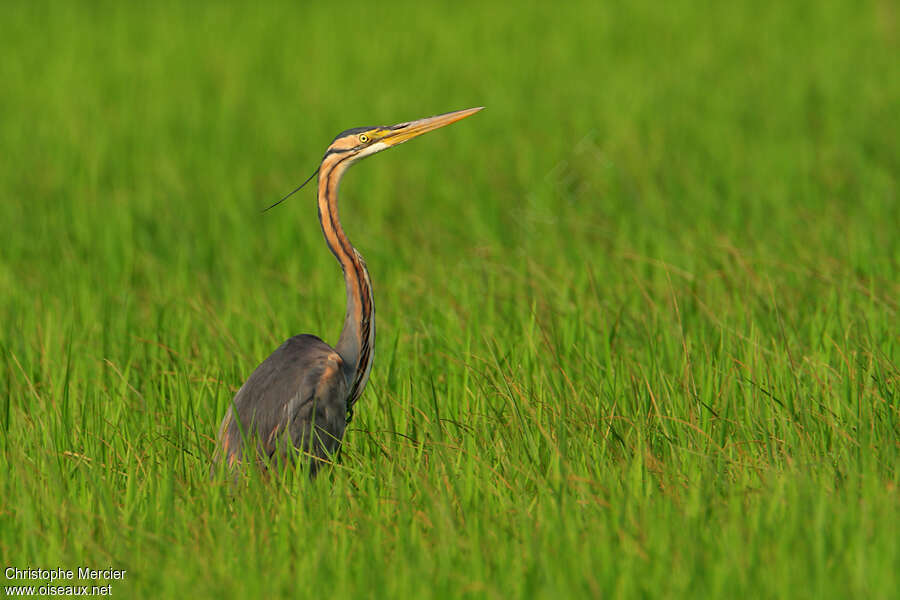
pixel 296 399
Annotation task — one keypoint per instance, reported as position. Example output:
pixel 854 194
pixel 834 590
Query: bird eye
pixel 363 138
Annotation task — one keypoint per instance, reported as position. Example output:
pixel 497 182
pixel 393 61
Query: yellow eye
pixel 363 138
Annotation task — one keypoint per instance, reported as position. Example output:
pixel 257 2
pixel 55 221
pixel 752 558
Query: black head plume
pixel 308 179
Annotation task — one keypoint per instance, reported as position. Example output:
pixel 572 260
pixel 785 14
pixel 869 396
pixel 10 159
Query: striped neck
pixel 357 342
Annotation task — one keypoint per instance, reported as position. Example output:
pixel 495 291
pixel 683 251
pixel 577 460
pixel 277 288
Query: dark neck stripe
pixel 360 273
pixel 346 246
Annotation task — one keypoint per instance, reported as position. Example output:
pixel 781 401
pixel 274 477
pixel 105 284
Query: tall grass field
pixel 638 320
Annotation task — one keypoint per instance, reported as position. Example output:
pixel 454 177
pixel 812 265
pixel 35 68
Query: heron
pixel 297 403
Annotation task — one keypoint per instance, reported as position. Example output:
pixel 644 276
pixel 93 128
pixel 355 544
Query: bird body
pixel 299 399
pixel 302 384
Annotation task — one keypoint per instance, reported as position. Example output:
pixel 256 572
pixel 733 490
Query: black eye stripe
pixel 338 151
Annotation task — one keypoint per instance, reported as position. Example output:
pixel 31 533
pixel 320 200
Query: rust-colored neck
pixel 357 342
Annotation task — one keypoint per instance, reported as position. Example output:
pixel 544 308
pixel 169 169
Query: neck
pixel 357 342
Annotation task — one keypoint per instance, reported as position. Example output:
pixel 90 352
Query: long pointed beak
pixel 406 131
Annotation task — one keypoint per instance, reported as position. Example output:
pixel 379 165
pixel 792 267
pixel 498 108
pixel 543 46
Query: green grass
pixel 637 321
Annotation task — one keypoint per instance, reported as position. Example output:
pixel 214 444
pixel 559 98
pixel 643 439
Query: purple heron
pixel 299 400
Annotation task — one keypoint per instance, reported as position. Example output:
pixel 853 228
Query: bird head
pixel 360 142
pixel 357 143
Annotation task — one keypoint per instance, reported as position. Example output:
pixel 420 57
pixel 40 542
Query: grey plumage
pixel 294 400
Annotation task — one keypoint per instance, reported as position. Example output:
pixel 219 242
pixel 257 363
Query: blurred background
pixel 679 212
pixel 141 142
